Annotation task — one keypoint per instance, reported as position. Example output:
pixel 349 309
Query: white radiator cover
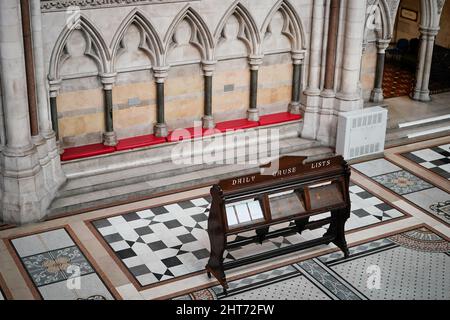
pixel 361 132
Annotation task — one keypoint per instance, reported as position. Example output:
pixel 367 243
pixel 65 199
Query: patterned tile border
pixel 400 196
pixel 417 160
pixel 396 156
pixel 4 291
pixel 27 276
pixel 90 224
pixel 383 242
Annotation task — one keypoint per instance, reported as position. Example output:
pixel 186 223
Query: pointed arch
pixel 387 23
pixel 293 28
pixel 248 33
pixel 201 36
pixel 96 47
pixel 150 41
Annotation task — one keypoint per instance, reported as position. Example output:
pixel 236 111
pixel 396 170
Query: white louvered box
pixel 361 132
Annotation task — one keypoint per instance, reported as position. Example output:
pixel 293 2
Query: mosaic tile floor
pixel 419 192
pixel 157 248
pixel 170 241
pixel 410 265
pixel 56 265
pixel 435 159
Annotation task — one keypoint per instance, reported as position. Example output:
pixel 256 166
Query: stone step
pixel 157 166
pixel 105 197
pixel 399 136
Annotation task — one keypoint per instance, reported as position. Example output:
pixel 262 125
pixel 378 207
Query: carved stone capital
pixel 54 86
pixel 298 57
pixel 255 62
pixel 108 80
pixel 160 73
pixel 208 67
pixel 382 45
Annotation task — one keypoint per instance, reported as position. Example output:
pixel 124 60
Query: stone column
pixel 253 113
pixel 29 66
pixel 160 74
pixel 297 81
pixel 54 87
pixel 333 27
pixel 377 92
pixel 109 137
pixel 427 39
pixel 350 93
pixel 312 92
pixel 208 70
pixel 45 125
pixel 25 197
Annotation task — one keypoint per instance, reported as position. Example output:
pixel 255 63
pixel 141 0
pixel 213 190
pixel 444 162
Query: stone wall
pixel 443 37
pixel 129 41
pixel 405 28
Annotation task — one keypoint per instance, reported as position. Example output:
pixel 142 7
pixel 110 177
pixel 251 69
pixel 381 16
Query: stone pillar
pixel 45 125
pixel 297 81
pixel 54 87
pixel 333 27
pixel 25 196
pixel 253 113
pixel 29 66
pixel 377 92
pixel 50 159
pixel 312 92
pixel 427 39
pixel 350 92
pixel 109 137
pixel 208 70
pixel 160 74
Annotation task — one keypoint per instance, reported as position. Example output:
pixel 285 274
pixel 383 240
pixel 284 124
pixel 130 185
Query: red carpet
pixel 397 82
pixel 188 133
pixel 139 142
pixel 86 151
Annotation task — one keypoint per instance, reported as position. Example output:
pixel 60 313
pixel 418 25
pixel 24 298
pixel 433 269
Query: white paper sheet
pixel 284 193
pixel 242 212
pixel 255 210
pixel 231 217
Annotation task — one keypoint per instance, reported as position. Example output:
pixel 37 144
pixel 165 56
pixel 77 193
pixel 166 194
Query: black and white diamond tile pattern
pixel 170 241
pixel 435 159
pixel 2 296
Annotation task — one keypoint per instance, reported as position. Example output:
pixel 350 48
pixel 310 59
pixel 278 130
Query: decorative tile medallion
pixel 58 268
pixel 402 182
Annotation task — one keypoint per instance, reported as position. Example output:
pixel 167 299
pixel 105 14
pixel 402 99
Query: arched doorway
pixel 400 48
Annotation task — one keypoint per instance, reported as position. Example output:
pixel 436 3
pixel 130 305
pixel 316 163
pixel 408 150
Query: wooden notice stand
pixel 296 191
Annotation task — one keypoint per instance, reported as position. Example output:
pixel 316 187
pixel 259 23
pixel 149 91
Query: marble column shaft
pixel 160 74
pixel 208 71
pixel 333 27
pixel 253 112
pixel 109 137
pixel 297 82
pixel 377 92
